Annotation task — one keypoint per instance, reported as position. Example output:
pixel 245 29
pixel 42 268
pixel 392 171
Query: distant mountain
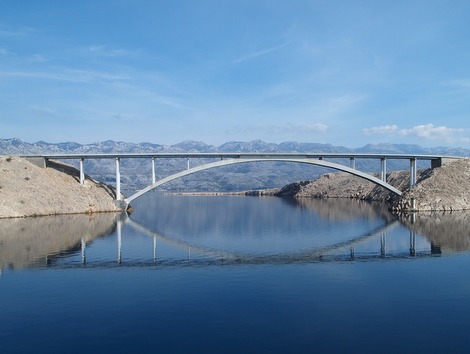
pixel 136 173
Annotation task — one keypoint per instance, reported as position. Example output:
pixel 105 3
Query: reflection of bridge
pixel 224 159
pixel 213 257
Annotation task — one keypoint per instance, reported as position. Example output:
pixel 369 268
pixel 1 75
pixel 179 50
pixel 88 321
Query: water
pixel 236 274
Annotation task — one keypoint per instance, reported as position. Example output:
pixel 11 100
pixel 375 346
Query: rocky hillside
pixel 28 190
pixel 445 188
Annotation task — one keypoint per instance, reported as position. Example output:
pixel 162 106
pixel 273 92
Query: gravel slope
pixel 28 190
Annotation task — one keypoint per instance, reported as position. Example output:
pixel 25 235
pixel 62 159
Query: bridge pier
pixel 82 172
pixel 118 178
pixel 154 178
pixel 383 175
pixel 412 172
pixel 352 163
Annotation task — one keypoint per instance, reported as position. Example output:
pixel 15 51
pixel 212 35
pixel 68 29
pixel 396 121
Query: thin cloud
pixel 429 131
pixel 17 33
pixel 384 129
pixel 262 52
pixel 104 51
pixel 461 83
pixel 423 131
pixel 70 75
pixel 288 129
pixel 38 58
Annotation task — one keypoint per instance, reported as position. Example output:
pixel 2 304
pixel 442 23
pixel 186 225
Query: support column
pixel 352 163
pixel 153 171
pixel 188 162
pixel 82 172
pixel 118 179
pixel 383 175
pixel 412 172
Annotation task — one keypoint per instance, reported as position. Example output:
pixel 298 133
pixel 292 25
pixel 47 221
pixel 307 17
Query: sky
pixel 164 71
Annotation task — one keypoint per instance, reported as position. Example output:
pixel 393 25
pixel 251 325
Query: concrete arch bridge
pixel 225 159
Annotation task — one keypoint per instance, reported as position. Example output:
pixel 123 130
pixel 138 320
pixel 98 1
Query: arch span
pixel 246 160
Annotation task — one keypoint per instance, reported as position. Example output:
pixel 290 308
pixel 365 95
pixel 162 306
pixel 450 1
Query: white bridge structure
pixel 224 159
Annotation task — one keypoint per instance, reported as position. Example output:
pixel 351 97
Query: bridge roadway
pixel 224 159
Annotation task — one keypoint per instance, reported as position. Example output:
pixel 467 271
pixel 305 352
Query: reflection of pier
pixel 210 256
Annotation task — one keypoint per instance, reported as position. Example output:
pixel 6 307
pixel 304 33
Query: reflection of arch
pixel 292 257
pixel 245 160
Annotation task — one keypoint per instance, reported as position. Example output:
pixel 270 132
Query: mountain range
pixel 136 173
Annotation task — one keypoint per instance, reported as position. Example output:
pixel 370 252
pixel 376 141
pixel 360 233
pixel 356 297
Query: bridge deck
pixel 243 155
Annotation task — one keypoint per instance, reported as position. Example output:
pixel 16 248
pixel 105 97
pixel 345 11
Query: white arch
pixel 245 160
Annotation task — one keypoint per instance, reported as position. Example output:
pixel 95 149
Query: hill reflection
pixel 449 231
pixel 27 242
pixel 343 209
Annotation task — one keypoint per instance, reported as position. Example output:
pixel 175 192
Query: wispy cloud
pixel 287 129
pixel 460 83
pixel 423 131
pixel 261 52
pixel 38 58
pixel 105 51
pixel 24 31
pixel 429 131
pixel 384 129
pixel 70 75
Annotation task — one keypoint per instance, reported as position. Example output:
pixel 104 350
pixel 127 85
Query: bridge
pixel 224 159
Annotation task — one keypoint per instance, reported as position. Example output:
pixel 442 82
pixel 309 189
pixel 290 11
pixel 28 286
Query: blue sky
pixel 341 72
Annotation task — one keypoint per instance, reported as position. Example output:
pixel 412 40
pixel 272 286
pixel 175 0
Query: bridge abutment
pixel 37 160
pixel 442 161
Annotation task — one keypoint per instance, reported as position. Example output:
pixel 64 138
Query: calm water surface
pixel 236 275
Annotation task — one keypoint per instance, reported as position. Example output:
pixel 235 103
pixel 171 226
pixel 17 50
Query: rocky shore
pixel 445 188
pixel 29 190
